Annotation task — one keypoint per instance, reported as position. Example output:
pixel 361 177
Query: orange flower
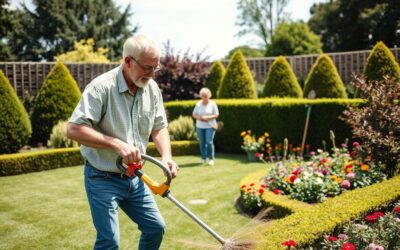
pixel 364 167
pixel 287 179
pixel 243 133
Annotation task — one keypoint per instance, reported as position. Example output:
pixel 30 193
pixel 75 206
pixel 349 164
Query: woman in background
pixel 206 112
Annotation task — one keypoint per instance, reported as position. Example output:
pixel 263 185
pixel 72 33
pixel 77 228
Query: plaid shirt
pixel 108 106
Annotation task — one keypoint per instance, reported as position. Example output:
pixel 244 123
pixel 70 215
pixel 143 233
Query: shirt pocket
pixel 146 123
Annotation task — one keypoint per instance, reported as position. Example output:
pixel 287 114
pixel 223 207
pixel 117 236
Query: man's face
pixel 143 69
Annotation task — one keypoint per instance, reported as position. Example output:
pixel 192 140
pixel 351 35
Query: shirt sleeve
pixel 89 109
pixel 195 110
pixel 160 120
pixel 216 111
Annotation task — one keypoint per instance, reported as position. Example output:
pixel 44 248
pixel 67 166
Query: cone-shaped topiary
pixel 237 81
pixel 281 80
pixel 15 127
pixel 55 102
pixel 381 62
pixel 215 76
pixel 324 79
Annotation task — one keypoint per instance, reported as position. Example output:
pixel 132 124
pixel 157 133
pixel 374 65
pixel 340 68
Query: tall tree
pixel 260 17
pixel 56 25
pixel 294 38
pixel 7 24
pixel 356 24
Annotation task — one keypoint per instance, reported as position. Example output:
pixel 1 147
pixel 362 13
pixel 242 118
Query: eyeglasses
pixel 146 69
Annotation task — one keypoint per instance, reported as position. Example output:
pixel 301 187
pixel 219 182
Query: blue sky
pixel 197 24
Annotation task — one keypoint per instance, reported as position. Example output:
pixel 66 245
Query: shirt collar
pixel 122 85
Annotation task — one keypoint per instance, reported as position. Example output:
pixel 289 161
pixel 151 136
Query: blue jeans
pixel 106 192
pixel 206 141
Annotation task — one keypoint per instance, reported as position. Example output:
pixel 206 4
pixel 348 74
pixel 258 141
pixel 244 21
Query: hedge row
pixel 14 164
pixel 308 223
pixel 281 118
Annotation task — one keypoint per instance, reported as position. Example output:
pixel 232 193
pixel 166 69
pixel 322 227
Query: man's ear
pixel 127 61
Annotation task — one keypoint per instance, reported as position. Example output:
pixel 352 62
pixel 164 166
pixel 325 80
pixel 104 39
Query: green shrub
pixel 238 81
pixel 15 127
pixel 281 80
pixel 381 62
pixel 281 118
pixel 182 128
pixel 215 76
pixel 55 102
pixel 324 79
pixel 58 137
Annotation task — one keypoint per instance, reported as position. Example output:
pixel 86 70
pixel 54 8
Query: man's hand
pixel 173 167
pixel 129 153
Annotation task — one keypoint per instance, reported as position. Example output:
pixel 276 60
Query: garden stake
pixel 311 95
pixel 163 190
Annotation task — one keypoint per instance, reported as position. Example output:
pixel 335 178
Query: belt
pixel 118 175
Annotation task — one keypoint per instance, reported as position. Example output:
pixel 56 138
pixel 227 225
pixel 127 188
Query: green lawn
pixel 49 210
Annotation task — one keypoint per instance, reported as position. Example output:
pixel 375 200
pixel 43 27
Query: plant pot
pixel 251 157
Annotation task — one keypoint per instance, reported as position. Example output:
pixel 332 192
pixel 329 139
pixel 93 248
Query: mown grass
pixel 49 210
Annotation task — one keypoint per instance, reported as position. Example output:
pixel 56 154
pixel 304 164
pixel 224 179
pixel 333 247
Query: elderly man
pixel 118 112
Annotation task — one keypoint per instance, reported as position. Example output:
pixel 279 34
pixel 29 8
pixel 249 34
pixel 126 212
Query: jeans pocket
pixel 95 174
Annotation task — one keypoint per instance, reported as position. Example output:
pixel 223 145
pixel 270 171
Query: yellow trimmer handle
pixel 157 188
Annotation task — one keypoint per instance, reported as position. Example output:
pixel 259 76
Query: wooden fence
pixel 29 76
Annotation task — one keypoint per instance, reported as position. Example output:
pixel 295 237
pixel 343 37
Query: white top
pixel 209 109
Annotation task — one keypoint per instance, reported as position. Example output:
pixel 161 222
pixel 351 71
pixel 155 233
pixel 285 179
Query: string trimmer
pixel 162 189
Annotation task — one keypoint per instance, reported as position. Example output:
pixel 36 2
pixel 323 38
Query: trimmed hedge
pixel 55 102
pixel 15 126
pixel 22 163
pixel 308 223
pixel 238 81
pixel 281 118
pixel 281 80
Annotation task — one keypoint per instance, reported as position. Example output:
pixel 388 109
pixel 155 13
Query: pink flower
pixel 373 246
pixel 343 236
pixel 351 175
pixel 258 154
pixel 346 184
pixel 356 144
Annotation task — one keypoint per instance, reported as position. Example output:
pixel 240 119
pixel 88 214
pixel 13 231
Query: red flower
pixel 263 186
pixel 249 189
pixel 348 246
pixel 293 178
pixel 289 243
pixel 332 238
pixel 379 214
pixel 371 218
pixel 243 186
pixel 261 191
pixel 396 209
pixel 252 184
pixel 276 191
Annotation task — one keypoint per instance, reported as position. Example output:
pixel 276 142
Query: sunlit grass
pixel 49 210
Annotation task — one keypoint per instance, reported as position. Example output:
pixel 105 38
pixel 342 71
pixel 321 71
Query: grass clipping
pixel 240 240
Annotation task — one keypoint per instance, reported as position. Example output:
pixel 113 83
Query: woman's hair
pixel 136 45
pixel 205 91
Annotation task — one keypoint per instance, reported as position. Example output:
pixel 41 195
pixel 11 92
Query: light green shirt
pixel 108 106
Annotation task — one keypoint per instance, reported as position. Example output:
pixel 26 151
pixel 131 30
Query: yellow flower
pixel 249 131
pixel 364 167
pixel 243 133
pixel 266 134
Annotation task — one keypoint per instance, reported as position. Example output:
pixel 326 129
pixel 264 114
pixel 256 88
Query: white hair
pixel 136 45
pixel 205 91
